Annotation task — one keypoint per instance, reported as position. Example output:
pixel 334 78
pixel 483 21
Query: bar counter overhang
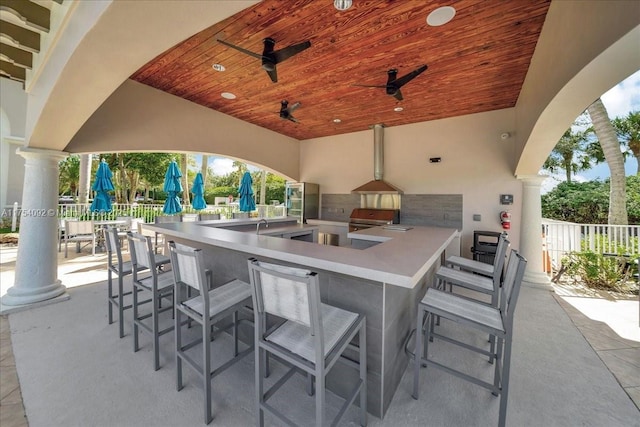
pixel 384 282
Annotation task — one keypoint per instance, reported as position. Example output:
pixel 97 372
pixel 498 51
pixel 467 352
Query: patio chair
pixel 311 339
pixel 159 284
pixel 207 309
pixel 475 315
pixel 78 232
pixel 61 230
pixel 122 268
pixel 208 216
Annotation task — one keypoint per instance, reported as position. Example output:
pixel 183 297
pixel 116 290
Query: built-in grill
pixel 362 218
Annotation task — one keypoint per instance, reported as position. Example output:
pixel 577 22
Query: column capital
pixel 532 179
pixel 35 153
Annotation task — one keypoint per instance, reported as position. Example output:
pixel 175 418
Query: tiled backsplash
pixel 438 210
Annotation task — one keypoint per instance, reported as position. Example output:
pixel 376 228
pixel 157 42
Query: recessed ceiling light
pixel 342 4
pixel 218 67
pixel 336 120
pixel 441 16
pixel 398 109
pixel 227 95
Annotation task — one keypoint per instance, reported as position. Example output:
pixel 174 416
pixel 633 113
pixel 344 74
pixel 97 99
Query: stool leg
pixel 363 373
pixel 110 294
pixel 418 357
pixel 121 305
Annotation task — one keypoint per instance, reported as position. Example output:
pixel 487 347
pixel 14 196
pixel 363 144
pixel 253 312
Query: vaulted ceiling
pixel 477 62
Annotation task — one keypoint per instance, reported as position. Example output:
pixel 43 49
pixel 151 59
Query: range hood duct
pixel 378 185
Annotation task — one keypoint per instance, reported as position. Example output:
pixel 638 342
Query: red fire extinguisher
pixel 505 219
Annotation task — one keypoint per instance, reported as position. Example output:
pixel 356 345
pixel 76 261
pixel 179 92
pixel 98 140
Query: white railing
pixel 560 238
pixel 146 211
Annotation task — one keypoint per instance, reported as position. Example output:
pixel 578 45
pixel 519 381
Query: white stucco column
pixel 531 231
pixel 36 274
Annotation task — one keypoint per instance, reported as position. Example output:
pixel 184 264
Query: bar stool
pixel 159 284
pixel 312 338
pixel 473 314
pixel 208 308
pixel 121 268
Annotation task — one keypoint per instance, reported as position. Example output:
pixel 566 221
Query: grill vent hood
pixel 378 185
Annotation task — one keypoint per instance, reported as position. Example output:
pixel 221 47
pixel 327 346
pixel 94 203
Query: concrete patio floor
pixel 73 370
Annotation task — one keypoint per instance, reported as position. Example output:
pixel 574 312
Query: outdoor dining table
pixel 101 226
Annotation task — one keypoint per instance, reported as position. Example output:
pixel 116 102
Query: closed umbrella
pixel 198 193
pixel 247 204
pixel 172 187
pixel 102 185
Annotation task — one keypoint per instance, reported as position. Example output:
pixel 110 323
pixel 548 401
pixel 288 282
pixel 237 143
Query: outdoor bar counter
pixel 384 281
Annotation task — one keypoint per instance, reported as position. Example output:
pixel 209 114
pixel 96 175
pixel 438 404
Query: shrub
pixel 599 271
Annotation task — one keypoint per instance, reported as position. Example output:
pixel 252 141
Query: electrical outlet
pixel 477 217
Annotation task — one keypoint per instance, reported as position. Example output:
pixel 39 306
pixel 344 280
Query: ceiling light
pixel 336 120
pixel 218 67
pixel 398 109
pixel 228 95
pixel 342 4
pixel 441 16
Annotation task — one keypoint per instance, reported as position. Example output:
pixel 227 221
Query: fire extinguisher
pixel 505 219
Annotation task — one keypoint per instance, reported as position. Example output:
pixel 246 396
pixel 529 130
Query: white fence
pixel 560 238
pixel 146 211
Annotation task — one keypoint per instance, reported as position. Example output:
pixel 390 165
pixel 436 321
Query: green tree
pixel 628 131
pixel 611 149
pixel 69 175
pixel 570 154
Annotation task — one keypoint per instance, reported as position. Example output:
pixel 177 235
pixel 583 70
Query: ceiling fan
pixel 393 84
pixel 270 57
pixel 285 110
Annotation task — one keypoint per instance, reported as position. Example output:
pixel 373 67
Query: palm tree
pixel 184 163
pixel 611 149
pixel 569 154
pixel 628 130
pixel 69 174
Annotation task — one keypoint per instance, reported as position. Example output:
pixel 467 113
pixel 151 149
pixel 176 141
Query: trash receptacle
pixel 485 244
pixel 329 239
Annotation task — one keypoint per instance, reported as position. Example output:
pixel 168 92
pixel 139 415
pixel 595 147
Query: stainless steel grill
pixel 362 218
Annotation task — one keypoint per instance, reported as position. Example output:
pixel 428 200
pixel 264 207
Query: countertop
pixel 402 258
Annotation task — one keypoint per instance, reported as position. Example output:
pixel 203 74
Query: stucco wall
pixel 475 163
pixel 13 107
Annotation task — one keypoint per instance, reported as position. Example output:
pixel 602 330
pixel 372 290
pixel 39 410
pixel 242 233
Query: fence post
pixel 14 216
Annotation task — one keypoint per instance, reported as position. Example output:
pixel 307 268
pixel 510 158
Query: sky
pixel 619 101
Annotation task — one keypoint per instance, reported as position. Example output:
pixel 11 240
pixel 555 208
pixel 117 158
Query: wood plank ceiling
pixel 476 63
pixel 22 24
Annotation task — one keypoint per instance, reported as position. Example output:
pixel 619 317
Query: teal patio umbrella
pixel 102 185
pixel 172 187
pixel 247 204
pixel 198 201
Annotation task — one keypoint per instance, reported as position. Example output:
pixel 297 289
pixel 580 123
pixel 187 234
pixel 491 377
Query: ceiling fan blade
pixel 287 52
pixel 273 74
pixel 294 107
pixel 407 78
pixel 239 49
pixel 398 95
pixel 293 119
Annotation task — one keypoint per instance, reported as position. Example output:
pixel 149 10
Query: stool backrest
pixel 287 292
pixel 187 265
pixel 112 242
pixel 208 216
pixel 167 218
pixel 511 286
pixel 498 264
pixel 141 250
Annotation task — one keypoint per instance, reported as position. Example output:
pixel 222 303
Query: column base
pixel 535 279
pixel 16 296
